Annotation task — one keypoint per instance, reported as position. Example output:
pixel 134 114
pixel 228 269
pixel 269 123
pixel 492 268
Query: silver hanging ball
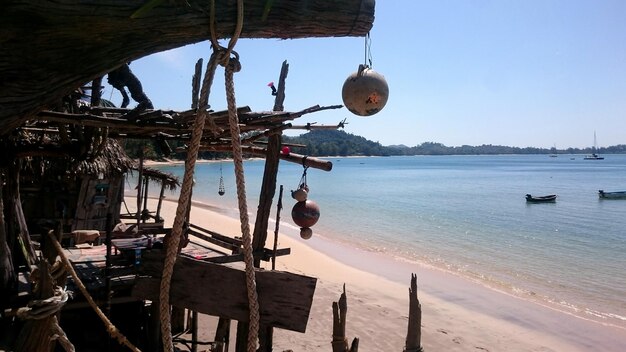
pixel 365 92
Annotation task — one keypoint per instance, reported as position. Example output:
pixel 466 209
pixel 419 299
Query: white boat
pixel 612 195
pixel 593 155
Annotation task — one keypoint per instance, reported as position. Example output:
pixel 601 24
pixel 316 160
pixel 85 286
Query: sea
pixel 466 215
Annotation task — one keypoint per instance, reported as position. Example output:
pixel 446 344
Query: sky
pixel 519 73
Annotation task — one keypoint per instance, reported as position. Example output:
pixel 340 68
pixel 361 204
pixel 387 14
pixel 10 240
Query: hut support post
pixel 340 310
pixel 414 334
pixel 144 211
pixel 7 271
pixel 222 335
pixel 268 190
pixel 139 186
pixel 17 215
pixel 158 211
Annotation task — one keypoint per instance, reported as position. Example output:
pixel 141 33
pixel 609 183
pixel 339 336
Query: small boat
pixel 541 199
pixel 612 195
pixel 593 155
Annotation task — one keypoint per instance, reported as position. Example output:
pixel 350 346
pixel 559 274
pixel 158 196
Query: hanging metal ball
pixel 306 233
pixel 365 92
pixel 305 214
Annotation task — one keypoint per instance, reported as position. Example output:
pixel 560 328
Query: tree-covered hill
pixel 340 143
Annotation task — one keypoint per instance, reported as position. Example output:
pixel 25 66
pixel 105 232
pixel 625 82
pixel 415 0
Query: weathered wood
pixel 304 160
pixel 284 298
pixel 414 334
pixel 340 312
pixel 268 189
pixel 8 278
pixel 35 335
pixel 48 48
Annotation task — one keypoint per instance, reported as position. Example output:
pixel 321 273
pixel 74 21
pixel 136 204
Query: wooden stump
pixel 340 310
pixel 414 333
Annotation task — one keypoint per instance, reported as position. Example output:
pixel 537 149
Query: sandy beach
pixel 458 315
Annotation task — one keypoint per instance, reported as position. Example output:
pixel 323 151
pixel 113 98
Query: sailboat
pixel 553 152
pixel 593 155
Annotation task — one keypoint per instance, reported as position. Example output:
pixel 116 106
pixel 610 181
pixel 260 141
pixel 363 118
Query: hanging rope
pixel 233 119
pixel 222 57
pixel 183 204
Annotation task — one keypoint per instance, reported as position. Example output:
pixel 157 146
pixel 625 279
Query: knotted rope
pixel 111 329
pixel 42 308
pixel 233 119
pixel 222 57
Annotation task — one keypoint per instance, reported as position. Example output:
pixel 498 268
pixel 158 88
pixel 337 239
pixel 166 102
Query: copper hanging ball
pixel 306 233
pixel 365 92
pixel 305 214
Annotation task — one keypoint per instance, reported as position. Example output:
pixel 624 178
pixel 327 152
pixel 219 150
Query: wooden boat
pixel 541 199
pixel 612 195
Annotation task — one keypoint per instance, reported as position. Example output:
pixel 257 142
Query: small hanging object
pixel 221 191
pixel 365 91
pixel 306 213
pixel 271 85
pixel 306 233
pixel 285 150
pixel 301 194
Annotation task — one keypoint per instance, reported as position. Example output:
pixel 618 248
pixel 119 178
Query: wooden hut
pixel 52 49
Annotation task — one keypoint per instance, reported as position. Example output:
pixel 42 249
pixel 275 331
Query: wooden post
pixel 7 272
pixel 340 311
pixel 17 216
pixel 414 334
pixel 268 189
pixel 157 217
pixel 139 186
pixel 35 335
pixel 144 209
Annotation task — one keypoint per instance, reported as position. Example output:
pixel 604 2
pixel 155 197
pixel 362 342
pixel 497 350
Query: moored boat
pixel 612 195
pixel 551 198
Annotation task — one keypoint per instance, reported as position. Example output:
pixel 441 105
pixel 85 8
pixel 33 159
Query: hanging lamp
pixel 365 91
pixel 221 191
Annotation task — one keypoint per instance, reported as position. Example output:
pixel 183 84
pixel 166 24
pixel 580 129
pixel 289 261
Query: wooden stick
pixel 304 160
pixel 340 311
pixel 414 334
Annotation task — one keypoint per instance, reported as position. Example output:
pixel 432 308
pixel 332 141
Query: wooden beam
pixel 48 47
pixel 284 298
pixel 304 160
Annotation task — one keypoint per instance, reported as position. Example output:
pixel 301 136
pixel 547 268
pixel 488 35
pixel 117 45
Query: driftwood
pixel 414 334
pixel 340 311
pixel 48 48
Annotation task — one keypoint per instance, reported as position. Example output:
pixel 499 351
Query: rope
pixel 42 308
pixel 111 329
pixel 181 211
pixel 233 119
pixel 233 65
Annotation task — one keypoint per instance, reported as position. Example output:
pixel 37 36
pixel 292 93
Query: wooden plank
pixel 284 298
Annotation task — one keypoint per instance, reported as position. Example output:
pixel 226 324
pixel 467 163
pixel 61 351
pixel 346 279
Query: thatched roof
pixel 111 160
pixel 169 181
pixel 51 48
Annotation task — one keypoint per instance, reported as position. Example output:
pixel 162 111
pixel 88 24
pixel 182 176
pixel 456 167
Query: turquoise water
pixel 467 214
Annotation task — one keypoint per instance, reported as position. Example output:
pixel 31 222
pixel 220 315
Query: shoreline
pixel 457 313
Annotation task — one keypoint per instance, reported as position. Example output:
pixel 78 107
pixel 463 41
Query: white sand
pixel 458 315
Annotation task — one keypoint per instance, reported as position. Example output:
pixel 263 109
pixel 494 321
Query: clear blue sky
pixel 518 72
